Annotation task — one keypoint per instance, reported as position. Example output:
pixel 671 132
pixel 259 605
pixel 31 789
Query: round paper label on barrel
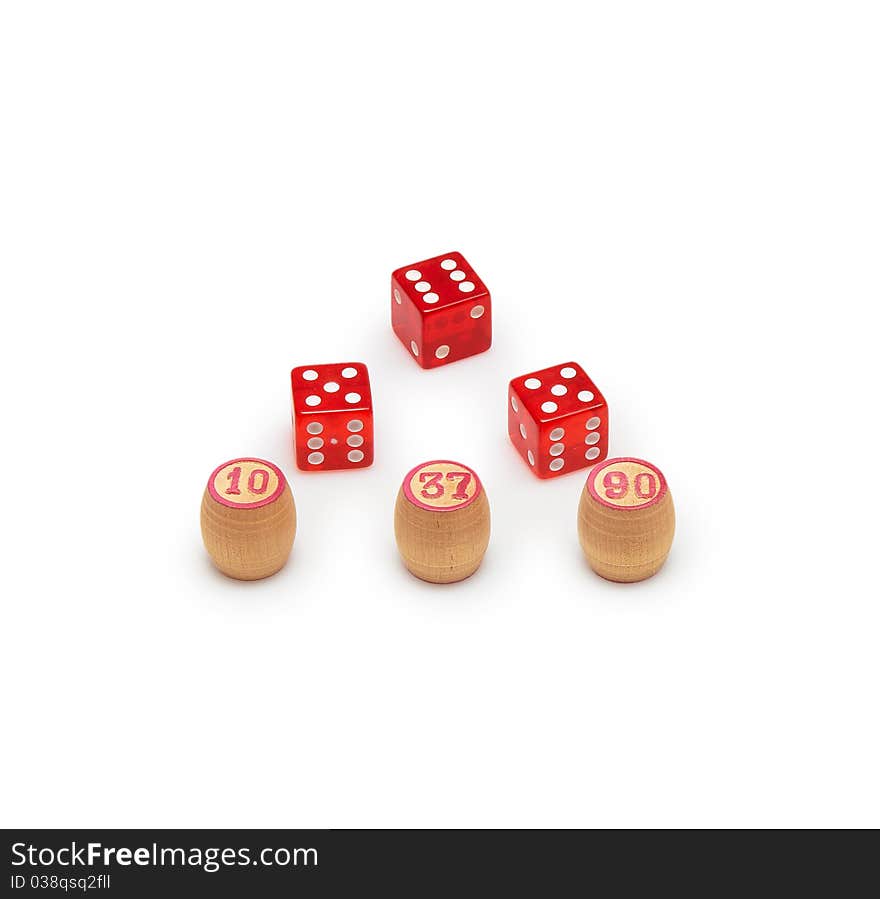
pixel 626 484
pixel 441 486
pixel 246 483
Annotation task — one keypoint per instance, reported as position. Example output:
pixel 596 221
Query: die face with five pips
pixel 557 419
pixel 332 416
pixel 441 310
pixel 442 521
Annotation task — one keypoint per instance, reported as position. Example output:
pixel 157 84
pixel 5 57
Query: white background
pixel 683 197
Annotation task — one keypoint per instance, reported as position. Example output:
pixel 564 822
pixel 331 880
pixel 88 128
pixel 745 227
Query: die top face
pixel 438 283
pixel 339 387
pixel 557 392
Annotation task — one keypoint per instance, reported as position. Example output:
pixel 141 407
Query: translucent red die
pixel 557 419
pixel 441 310
pixel 332 416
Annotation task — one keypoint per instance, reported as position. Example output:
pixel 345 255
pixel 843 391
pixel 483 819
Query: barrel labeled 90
pixel 626 520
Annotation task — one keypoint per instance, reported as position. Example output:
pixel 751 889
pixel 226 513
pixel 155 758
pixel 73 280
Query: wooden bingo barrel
pixel 248 518
pixel 441 521
pixel 626 520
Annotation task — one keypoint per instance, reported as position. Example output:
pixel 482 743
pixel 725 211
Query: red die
pixel 332 416
pixel 441 310
pixel 558 420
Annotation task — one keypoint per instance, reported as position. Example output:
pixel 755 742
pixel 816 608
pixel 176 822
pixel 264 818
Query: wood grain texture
pixel 442 546
pixel 249 544
pixel 623 543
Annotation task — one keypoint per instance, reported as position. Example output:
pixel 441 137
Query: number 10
pixel 234 477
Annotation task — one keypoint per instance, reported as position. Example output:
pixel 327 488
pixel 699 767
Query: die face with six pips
pixel 441 310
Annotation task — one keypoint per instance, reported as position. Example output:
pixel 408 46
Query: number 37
pixel 433 481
